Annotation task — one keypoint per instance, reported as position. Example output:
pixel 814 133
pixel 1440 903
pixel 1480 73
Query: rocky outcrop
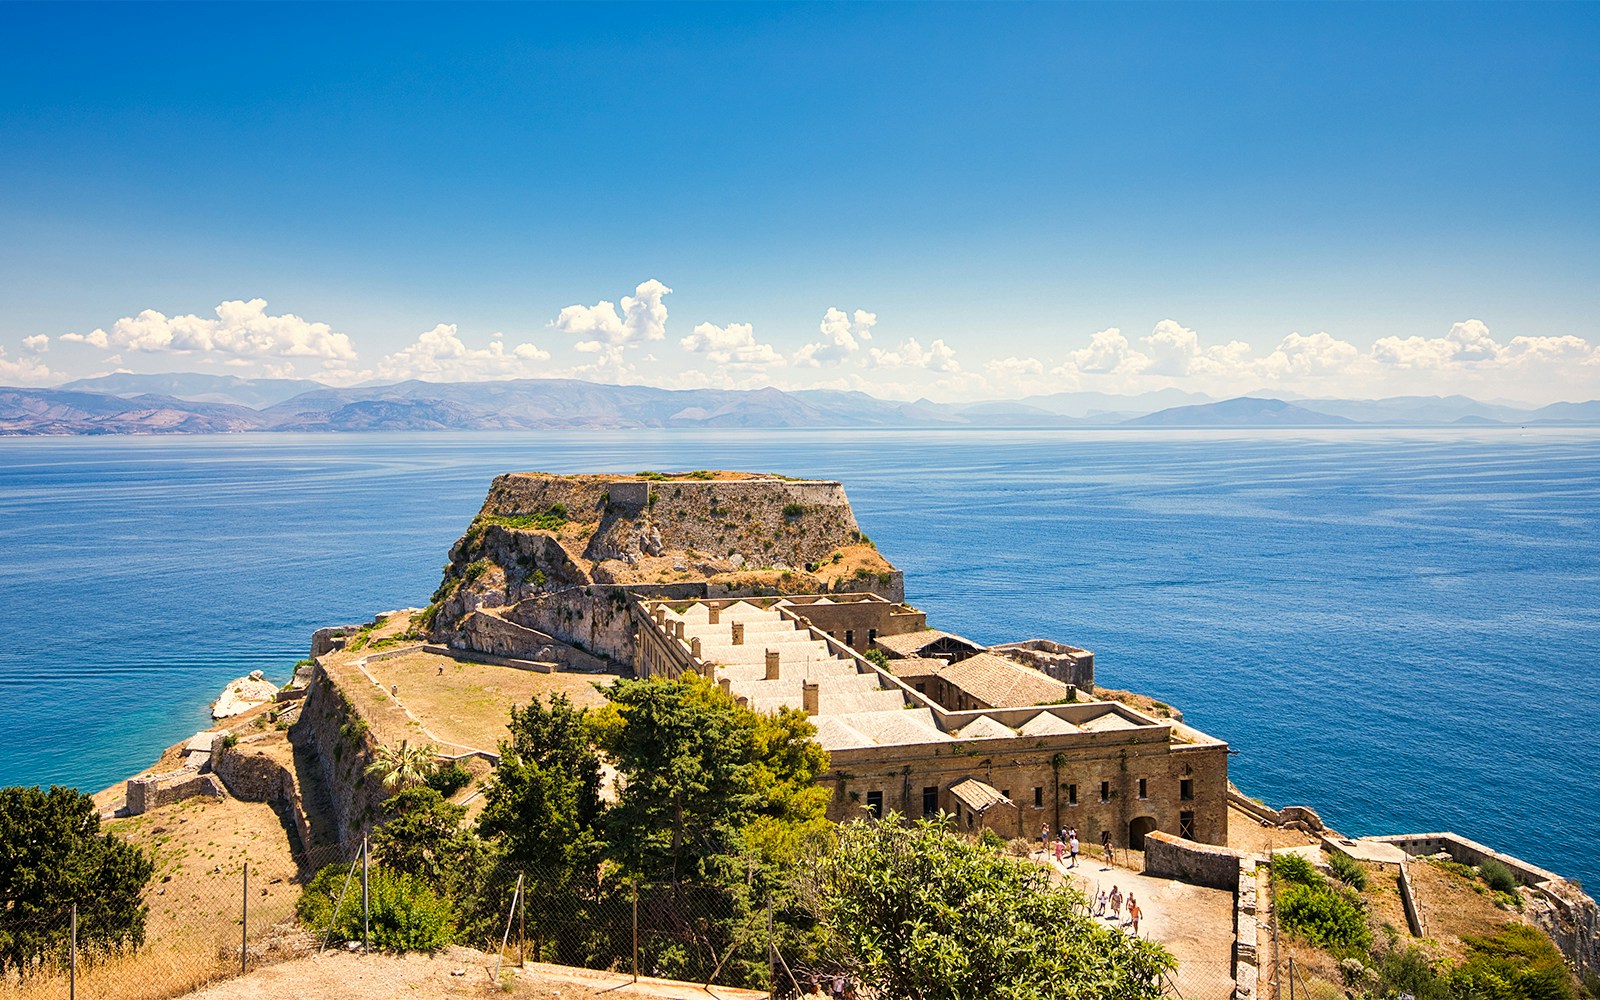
pixel 560 556
pixel 1565 912
pixel 243 694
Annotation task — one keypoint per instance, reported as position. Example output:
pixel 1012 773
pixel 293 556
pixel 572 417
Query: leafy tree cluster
pixel 52 855
pixel 1517 963
pixel 716 820
pixel 1310 906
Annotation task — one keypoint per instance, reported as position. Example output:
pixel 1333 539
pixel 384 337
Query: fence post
pixel 366 900
pixel 636 930
pixel 72 976
pixel 772 949
pixel 522 928
pixel 244 923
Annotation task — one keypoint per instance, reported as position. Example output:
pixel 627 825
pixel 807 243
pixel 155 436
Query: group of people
pixel 1066 843
pixel 1112 901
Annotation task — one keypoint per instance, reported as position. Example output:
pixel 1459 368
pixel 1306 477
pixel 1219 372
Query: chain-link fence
pixel 192 930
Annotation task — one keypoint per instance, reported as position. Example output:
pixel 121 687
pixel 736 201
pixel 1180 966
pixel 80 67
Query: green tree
pixel 920 912
pixel 405 913
pixel 404 766
pixel 423 836
pixel 52 854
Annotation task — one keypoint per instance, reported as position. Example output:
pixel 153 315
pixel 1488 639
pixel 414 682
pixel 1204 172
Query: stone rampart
pixel 253 774
pixel 1166 856
pixel 1468 852
pixel 157 790
pixel 340 743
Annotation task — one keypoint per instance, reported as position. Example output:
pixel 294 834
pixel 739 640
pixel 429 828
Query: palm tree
pixel 403 766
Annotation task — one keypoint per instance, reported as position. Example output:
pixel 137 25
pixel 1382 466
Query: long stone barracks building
pixel 1006 738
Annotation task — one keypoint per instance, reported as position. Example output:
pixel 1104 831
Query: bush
pixel 1497 876
pixel 449 779
pixel 1325 915
pixel 878 658
pixel 1347 870
pixel 1295 869
pixel 405 914
pixel 793 510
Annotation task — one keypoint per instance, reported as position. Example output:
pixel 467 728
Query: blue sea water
pixel 1400 628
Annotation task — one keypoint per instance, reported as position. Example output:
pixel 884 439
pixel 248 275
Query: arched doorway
pixel 1137 829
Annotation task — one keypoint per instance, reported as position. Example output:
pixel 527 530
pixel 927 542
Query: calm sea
pixel 1400 628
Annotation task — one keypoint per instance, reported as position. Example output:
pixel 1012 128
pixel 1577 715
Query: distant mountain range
pixel 195 403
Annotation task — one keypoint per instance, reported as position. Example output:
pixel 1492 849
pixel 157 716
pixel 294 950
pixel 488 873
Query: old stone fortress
pixel 766 586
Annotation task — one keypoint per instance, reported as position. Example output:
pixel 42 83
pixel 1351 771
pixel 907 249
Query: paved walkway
pixel 1191 921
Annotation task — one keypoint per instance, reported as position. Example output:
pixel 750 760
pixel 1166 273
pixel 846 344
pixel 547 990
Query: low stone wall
pixel 1246 958
pixel 1301 817
pixel 253 775
pixel 1408 900
pixel 1166 856
pixel 159 790
pixel 1468 852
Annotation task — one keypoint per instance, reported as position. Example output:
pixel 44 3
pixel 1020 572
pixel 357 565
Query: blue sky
pixel 991 200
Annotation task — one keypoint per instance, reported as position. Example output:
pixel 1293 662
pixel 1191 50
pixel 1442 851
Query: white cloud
pixel 24 371
pixel 241 328
pixel 842 334
pixel 605 331
pixel 440 355
pixel 1467 342
pixel 1108 352
pixel 734 344
pixel 1317 355
pixel 39 343
pixel 937 356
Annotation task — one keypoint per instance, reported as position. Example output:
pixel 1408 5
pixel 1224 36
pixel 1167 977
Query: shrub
pixel 1347 870
pixel 793 510
pixel 449 779
pixel 1328 916
pixel 1294 868
pixel 1497 876
pixel 405 914
pixel 878 657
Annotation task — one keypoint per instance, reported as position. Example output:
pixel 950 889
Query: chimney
pixel 726 683
pixel 809 696
pixel 772 664
pixel 694 647
pixel 660 615
pixel 713 614
pixel 738 633
pixel 677 629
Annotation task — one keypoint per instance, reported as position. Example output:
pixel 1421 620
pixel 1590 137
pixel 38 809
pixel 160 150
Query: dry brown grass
pixel 469 704
pixel 192 933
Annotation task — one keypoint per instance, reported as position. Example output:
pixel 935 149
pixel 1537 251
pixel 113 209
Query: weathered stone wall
pixel 1019 766
pixel 1468 852
pixel 253 773
pixel 333 736
pixel 1166 856
pixel 861 621
pixel 157 790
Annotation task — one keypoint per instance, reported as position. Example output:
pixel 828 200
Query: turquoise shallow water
pixel 1401 628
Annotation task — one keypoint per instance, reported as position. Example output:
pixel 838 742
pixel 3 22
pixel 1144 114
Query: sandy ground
pixel 1193 922
pixel 454 973
pixel 1245 833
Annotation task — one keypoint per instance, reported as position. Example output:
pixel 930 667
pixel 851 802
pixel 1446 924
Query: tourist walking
pixel 1073 849
pixel 1044 837
pixel 1134 913
pixel 1058 852
pixel 1116 904
pixel 1105 845
pixel 1100 903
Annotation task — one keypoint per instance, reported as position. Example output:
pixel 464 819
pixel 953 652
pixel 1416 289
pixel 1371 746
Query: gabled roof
pixel 977 795
pixel 913 643
pixel 1003 683
pixel 985 728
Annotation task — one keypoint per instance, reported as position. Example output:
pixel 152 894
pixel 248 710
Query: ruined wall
pixel 254 770
pixel 157 790
pixel 337 741
pixel 1166 856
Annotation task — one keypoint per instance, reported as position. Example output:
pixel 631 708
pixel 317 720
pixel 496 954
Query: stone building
pixel 966 730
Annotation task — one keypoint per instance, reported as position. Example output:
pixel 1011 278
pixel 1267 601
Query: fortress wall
pixel 332 733
pixel 157 790
pixel 1166 856
pixel 1468 852
pixel 252 774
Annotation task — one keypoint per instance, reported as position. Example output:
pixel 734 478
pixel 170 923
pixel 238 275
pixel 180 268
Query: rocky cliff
pixel 558 555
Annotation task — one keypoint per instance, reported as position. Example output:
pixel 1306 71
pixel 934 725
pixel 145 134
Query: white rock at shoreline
pixel 243 694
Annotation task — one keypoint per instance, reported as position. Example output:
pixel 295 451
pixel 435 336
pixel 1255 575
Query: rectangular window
pixel 849 637
pixel 875 804
pixel 1006 792
pixel 922 688
pixel 1186 825
pixel 1105 791
pixel 1038 798
pixel 1142 789
pixel 872 636
pixel 1186 789
pixel 930 801
pixel 1072 795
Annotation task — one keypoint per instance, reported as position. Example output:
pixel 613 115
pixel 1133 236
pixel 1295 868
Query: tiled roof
pixel 977 795
pixel 1045 724
pixel 912 643
pixel 985 728
pixel 1106 723
pixel 916 666
pixel 1002 683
